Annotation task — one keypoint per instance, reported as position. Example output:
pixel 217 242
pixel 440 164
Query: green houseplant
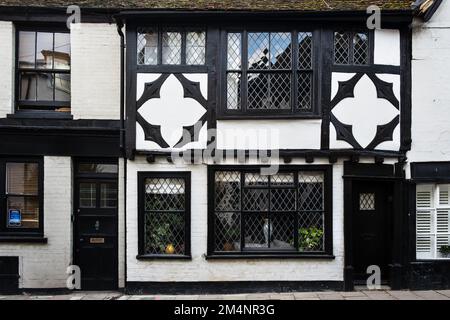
pixel 310 239
pixel 445 251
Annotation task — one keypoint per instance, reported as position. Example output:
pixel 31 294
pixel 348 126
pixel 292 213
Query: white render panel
pixel 95 71
pixel 268 134
pixel 172 111
pixel 200 269
pixel 387 47
pixel 430 93
pixel 7 61
pixel 44 265
pixel 365 111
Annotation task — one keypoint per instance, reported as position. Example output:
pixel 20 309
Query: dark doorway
pixel 95 224
pixel 372 212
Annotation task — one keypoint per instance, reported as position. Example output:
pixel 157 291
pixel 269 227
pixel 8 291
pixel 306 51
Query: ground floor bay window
pixel 288 213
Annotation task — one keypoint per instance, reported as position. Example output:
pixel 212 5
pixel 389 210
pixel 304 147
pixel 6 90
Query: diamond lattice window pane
pixel 258 51
pixel 280 91
pixel 171 47
pixel 164 194
pixel 164 233
pixel 228 191
pixel 304 87
pixel 195 48
pixel 311 231
pixel 342 48
pixel 282 232
pixel 367 201
pixel 280 51
pixel 269 91
pixel 257 231
pixel 282 199
pixel 147 47
pixel 234 91
pixel 258 91
pixel 227 227
pixel 305 50
pixel 282 179
pixel 361 49
pixel 311 191
pixel 255 200
pixel 234 51
pixel 256 179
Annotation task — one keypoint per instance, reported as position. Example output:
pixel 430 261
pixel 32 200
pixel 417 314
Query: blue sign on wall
pixel 14 218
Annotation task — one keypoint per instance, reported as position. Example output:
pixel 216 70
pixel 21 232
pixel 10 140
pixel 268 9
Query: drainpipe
pixel 120 25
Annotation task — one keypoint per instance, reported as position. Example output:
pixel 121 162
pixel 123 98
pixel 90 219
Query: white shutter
pixel 442 219
pixel 444 195
pixel 424 221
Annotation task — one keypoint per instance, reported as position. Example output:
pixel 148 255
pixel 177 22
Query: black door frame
pixel 389 174
pixel 97 177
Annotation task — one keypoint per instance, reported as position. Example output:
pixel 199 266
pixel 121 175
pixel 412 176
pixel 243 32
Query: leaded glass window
pixel 269 72
pixel 281 213
pixel 351 48
pixel 171 46
pixel 164 210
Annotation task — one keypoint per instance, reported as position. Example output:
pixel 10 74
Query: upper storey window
pixel 43 71
pixel 270 73
pixel 171 46
pixel 351 48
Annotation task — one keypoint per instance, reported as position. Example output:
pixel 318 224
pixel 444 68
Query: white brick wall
pixel 95 71
pixel 6 68
pixel 44 265
pixel 241 270
pixel 430 93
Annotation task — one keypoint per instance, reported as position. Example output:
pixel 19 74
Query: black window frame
pixel 142 176
pixel 21 232
pixel 292 113
pixel 327 253
pixel 370 47
pixel 39 108
pixel 180 28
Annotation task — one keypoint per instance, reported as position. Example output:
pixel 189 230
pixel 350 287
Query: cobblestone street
pixel 326 295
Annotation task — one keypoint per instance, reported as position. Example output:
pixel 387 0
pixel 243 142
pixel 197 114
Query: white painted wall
pixel 172 111
pixel 200 269
pixel 268 134
pixel 431 88
pixel 95 71
pixel 365 111
pixel 44 265
pixel 387 47
pixel 7 60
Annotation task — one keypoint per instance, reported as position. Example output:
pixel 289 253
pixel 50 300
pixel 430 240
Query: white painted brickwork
pixel 44 265
pixel 6 68
pixel 430 88
pixel 95 71
pixel 241 270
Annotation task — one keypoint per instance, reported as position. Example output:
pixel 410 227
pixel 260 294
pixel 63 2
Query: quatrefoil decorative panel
pixel 171 111
pixel 365 111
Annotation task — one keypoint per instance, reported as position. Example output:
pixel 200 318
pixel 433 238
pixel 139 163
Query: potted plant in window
pixel 231 235
pixel 445 251
pixel 310 238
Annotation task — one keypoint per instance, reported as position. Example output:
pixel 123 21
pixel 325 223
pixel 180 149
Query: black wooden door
pixel 371 228
pixel 95 233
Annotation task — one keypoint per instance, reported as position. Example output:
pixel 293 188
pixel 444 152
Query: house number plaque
pixel 97 240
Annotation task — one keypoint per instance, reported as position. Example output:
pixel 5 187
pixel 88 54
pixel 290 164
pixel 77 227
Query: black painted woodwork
pixel 95 248
pixel 9 275
pixel 371 230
